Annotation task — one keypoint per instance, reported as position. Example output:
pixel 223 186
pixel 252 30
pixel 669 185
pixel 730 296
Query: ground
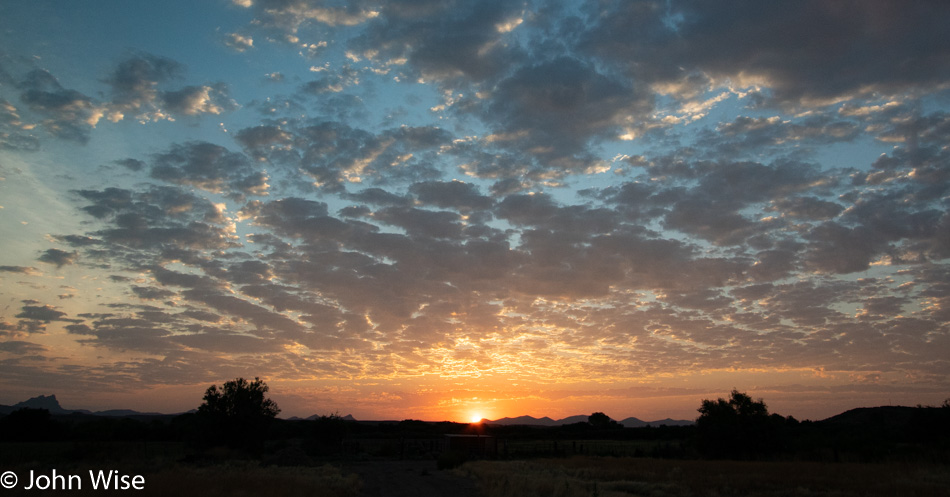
pixel 410 479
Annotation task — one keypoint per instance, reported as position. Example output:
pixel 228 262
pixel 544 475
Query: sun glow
pixel 476 418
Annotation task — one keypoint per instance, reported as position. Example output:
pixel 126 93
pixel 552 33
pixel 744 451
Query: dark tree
pixel 238 413
pixel 601 421
pixel 739 405
pixel 738 428
pixel 239 399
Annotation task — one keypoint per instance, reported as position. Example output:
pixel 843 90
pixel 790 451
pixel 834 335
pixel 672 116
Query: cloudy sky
pixel 434 209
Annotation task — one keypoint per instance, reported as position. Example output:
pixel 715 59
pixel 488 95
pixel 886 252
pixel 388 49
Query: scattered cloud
pixel 880 48
pixel 239 42
pixel 58 257
pixel 486 193
pixel 63 112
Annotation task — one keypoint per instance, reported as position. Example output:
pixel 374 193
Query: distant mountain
pixel 348 417
pixel 572 419
pixel 51 404
pixel 546 421
pixel 883 415
pixel 671 422
pixel 47 402
pixel 126 412
pixel 634 423
pixel 526 421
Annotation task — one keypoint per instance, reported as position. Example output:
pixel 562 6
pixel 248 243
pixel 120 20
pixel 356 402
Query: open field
pixel 624 477
pixel 253 480
pixel 613 448
pixel 412 478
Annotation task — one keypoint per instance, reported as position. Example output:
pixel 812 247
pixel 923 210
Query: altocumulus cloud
pixel 614 192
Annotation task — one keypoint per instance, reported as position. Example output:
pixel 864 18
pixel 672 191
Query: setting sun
pixel 476 418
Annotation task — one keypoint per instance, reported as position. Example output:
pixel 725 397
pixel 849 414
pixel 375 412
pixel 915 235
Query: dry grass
pixel 253 480
pixel 625 477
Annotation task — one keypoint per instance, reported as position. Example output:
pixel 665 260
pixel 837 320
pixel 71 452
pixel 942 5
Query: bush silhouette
pixel 238 413
pixel 738 428
pixel 601 421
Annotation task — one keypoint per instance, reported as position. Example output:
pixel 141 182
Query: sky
pixel 440 210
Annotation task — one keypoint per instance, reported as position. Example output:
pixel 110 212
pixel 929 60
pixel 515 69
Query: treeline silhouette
pixel 742 428
pixel 238 419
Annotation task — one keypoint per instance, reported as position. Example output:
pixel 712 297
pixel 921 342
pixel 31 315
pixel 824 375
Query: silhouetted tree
pixel 239 399
pixel 601 421
pixel 738 427
pixel 238 413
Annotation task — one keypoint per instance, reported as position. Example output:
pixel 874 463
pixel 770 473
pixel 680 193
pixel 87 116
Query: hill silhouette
pixel 883 415
pixel 47 402
pixel 51 404
pixel 546 421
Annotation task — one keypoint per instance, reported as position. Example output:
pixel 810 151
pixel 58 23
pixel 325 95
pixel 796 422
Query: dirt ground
pixel 410 479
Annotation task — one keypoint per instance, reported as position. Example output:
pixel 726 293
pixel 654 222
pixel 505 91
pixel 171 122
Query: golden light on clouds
pixel 293 210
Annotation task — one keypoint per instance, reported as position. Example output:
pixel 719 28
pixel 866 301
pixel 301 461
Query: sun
pixel 476 417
